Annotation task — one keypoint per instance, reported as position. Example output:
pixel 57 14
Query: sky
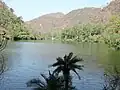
pixel 30 9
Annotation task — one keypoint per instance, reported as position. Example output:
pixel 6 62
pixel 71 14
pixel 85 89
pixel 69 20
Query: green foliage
pixel 65 65
pixel 52 82
pixel 112 33
pixel 82 33
pixel 55 81
pixel 14 25
pixel 93 33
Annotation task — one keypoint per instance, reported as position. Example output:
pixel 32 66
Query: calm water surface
pixel 26 60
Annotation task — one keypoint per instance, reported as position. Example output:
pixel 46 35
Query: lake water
pixel 27 60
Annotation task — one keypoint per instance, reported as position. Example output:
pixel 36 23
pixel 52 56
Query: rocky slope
pixel 86 15
pixel 46 22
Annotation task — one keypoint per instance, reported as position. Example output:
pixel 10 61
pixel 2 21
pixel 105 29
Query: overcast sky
pixel 30 9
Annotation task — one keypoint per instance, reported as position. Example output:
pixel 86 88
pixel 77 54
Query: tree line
pixel 108 33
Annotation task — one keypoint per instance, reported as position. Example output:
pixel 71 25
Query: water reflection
pixel 2 64
pixel 2 67
pixel 112 71
pixel 112 79
pixel 3 44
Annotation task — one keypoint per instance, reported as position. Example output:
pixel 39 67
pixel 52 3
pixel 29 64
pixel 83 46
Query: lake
pixel 27 60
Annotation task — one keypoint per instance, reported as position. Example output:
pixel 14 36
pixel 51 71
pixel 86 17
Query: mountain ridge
pixel 50 21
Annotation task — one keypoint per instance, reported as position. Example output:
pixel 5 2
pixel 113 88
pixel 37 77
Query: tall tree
pixel 67 64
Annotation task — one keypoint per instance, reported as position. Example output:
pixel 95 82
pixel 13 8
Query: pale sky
pixel 30 9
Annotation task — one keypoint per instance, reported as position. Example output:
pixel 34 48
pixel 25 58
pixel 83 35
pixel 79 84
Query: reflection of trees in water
pixel 2 65
pixel 112 79
pixel 112 71
pixel 3 43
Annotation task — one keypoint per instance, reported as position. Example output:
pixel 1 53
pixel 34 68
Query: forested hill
pixel 13 25
pixel 86 15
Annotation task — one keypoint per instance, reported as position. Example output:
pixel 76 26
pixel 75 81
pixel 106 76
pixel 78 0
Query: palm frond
pixel 75 57
pixel 75 66
pixel 75 60
pixel 76 73
pixel 58 70
pixel 57 64
pixel 36 82
pixel 65 58
pixel 60 60
pixel 70 55
pixel 46 79
pixel 50 73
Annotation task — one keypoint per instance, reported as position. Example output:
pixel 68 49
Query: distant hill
pixel 46 22
pixel 86 15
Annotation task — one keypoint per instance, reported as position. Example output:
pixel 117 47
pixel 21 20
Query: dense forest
pixel 108 33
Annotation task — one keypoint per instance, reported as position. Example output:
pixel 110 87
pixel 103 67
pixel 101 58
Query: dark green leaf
pixel 76 73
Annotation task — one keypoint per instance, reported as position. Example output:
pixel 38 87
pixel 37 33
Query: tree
pixel 114 24
pixel 112 33
pixel 12 10
pixel 52 82
pixel 67 64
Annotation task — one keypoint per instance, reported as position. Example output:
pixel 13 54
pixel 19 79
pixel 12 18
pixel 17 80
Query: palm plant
pixel 52 82
pixel 67 64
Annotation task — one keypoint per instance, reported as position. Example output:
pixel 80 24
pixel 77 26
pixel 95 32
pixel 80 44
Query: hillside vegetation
pixel 93 25
pixel 93 33
pixel 14 26
pixel 45 23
